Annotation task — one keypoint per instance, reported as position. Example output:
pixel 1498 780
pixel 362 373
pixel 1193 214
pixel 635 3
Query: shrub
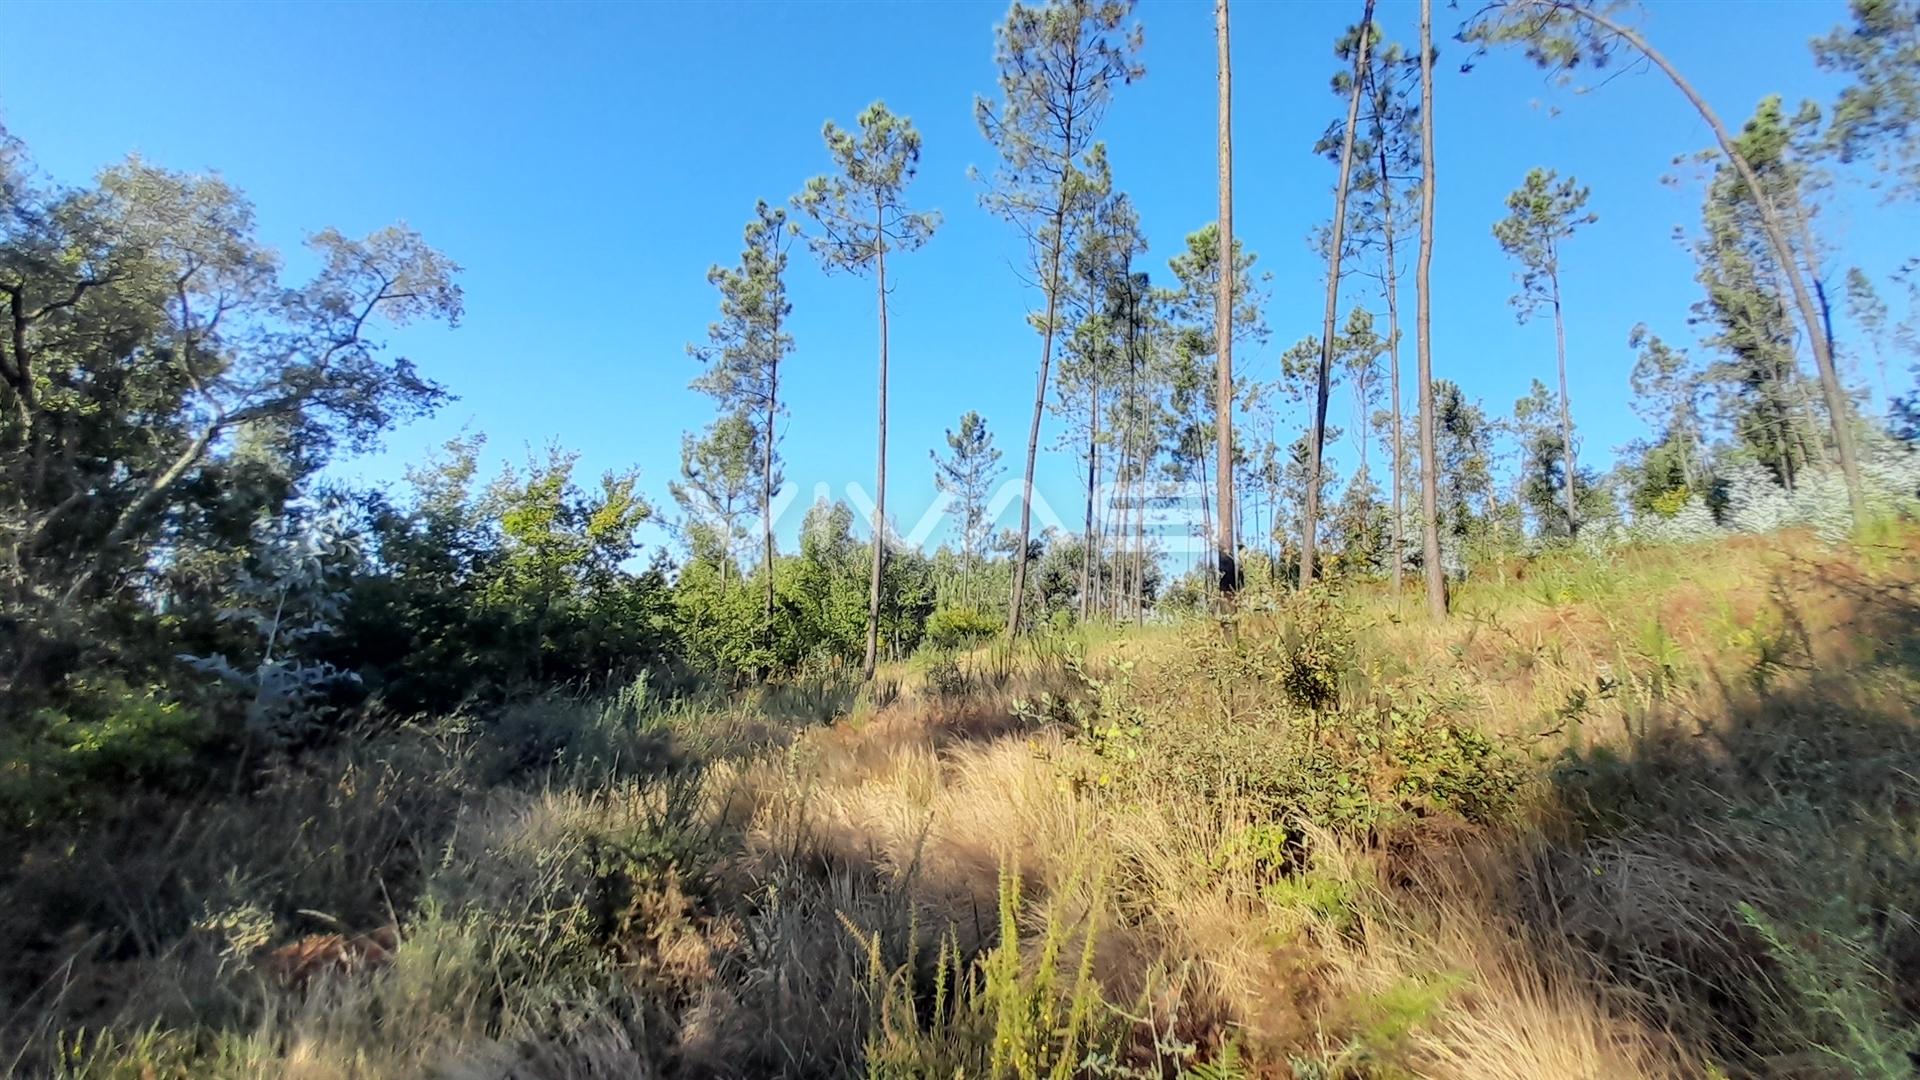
pixel 109 737
pixel 960 627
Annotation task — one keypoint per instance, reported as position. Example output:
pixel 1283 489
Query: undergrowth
pixel 1652 815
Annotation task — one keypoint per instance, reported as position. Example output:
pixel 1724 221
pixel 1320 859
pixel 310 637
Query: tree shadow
pixel 1744 866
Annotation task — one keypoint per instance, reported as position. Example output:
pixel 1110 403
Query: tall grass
pixel 1652 815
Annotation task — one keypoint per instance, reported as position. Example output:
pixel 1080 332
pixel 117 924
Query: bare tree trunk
pixel 1140 537
pixel 1423 329
pixel 1393 347
pixel 766 485
pixel 1566 406
pixel 1225 545
pixel 1087 548
pixel 880 479
pixel 1310 518
pixel 1839 410
pixel 1018 600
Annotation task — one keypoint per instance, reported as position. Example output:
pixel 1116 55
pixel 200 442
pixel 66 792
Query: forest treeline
pixel 184 582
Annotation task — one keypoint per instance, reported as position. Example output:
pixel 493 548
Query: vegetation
pixel 457 777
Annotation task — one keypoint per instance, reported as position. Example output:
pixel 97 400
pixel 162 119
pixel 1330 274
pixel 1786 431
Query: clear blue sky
pixel 586 163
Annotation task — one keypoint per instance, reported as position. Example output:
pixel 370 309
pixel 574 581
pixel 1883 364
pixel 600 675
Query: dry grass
pixel 1290 855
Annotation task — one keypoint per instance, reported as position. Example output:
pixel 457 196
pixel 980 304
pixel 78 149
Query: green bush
pixel 960 627
pixel 108 737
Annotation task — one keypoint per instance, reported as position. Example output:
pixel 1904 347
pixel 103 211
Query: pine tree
pixel 1877 114
pixel 1541 216
pixel 1559 34
pixel 968 473
pixel 1226 533
pixel 1059 65
pixel 719 476
pixel 861 217
pixel 1385 192
pixel 1423 330
pixel 745 350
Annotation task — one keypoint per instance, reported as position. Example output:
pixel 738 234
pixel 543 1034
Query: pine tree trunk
pixel 1019 597
pixel 1310 518
pixel 880 477
pixel 1839 410
pixel 1566 406
pixel 1087 546
pixel 766 485
pixel 1393 347
pixel 1225 541
pixel 1423 330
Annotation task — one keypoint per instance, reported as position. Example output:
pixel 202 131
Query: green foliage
pixel 859 209
pixel 1029 1008
pixel 1832 995
pixel 1541 215
pixel 959 627
pixel 109 738
pixel 164 387
pixel 1877 112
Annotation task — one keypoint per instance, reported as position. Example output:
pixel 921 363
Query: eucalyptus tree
pixel 968 473
pixel 1354 86
pixel 744 352
pixel 1559 34
pixel 862 215
pixel 1059 64
pixel 1423 331
pixel 1541 216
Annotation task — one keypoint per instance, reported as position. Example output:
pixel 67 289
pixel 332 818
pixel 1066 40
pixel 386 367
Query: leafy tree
pixel 162 386
pixel 1360 526
pixel 560 546
pixel 1059 63
pixel 1666 395
pixel 1541 216
pixel 744 352
pixel 861 216
pixel 1463 462
pixel 969 473
pixel 1358 351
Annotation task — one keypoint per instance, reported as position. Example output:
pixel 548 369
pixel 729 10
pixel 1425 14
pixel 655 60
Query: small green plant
pixel 1831 997
pixel 946 678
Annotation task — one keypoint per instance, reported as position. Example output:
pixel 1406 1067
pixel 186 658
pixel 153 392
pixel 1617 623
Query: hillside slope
pixel 1653 813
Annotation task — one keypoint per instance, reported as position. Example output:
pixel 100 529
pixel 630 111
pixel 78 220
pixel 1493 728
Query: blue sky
pixel 587 163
